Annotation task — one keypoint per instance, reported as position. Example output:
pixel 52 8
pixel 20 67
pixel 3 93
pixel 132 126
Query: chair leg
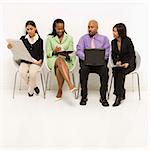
pixel 15 84
pixel 132 83
pixel 73 78
pixel 20 84
pixel 46 83
pixel 42 84
pixel 49 79
pixel 77 94
pixel 110 86
pixel 138 85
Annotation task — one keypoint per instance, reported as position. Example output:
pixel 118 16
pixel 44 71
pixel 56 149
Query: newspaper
pixel 19 50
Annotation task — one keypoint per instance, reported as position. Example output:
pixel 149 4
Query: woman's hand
pixel 118 63
pixel 9 46
pixel 125 65
pixel 57 49
pixel 39 62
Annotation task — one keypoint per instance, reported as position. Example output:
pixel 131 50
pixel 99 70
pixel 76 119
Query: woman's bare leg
pixel 60 81
pixel 63 69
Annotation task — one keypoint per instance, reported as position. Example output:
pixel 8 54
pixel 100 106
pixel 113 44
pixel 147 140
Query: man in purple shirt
pixel 93 40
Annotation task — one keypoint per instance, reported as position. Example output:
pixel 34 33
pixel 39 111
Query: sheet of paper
pixel 19 50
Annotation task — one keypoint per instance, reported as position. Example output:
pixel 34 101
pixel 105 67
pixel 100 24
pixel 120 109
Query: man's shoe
pixel 117 101
pixel 37 91
pixel 83 101
pixel 104 102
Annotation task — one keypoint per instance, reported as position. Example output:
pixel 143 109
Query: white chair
pixel 138 61
pixel 78 89
pixel 49 77
pixel 16 74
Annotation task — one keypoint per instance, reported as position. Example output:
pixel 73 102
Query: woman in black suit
pixel 123 56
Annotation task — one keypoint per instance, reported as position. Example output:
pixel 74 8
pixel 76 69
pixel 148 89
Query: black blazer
pixel 126 54
pixel 36 49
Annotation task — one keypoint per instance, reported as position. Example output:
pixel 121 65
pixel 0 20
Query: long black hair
pixel 54 25
pixel 121 28
pixel 32 23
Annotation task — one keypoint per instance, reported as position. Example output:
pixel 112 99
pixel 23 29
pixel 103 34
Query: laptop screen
pixel 94 57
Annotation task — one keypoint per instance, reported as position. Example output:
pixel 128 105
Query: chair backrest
pixel 110 62
pixel 138 60
pixel 42 65
pixel 45 62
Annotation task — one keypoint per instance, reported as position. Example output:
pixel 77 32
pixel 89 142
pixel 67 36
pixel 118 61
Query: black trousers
pixel 119 79
pixel 84 72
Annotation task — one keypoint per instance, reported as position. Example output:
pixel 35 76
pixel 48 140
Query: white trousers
pixel 28 72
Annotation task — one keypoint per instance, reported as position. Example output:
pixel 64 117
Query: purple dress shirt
pixel 101 41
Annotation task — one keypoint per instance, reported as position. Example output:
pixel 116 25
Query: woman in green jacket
pixel 57 41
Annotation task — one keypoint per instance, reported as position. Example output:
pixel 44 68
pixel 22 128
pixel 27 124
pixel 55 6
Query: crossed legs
pixel 62 73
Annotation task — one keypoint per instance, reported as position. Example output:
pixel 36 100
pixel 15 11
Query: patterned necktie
pixel 93 43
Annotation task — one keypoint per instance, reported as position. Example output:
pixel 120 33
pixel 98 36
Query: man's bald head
pixel 93 22
pixel 92 27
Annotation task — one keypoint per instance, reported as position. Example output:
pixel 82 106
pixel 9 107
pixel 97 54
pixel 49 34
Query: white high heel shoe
pixel 73 90
pixel 58 98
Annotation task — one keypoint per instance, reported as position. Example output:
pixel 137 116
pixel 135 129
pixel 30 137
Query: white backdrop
pixel 76 17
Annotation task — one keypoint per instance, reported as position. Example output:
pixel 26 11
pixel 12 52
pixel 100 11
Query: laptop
pixel 94 57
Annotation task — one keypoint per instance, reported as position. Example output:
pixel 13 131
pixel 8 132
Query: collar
pixel 63 40
pixel 95 36
pixel 35 38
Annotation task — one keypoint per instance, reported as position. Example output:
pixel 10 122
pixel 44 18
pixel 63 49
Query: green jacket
pixel 66 44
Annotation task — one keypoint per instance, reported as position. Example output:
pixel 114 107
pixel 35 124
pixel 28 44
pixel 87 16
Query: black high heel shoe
pixel 117 101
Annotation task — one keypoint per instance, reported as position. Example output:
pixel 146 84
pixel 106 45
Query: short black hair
pixel 121 28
